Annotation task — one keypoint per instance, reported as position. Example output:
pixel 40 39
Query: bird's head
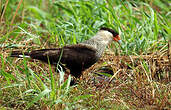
pixel 115 35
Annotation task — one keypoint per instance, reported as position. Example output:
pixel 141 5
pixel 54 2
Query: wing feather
pixel 73 55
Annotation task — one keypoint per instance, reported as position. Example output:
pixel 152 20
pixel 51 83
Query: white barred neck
pixel 102 39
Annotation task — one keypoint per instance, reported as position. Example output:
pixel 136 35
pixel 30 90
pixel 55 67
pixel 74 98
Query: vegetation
pixel 145 29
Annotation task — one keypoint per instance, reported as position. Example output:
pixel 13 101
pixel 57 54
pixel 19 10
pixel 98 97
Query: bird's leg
pixel 74 81
pixel 76 77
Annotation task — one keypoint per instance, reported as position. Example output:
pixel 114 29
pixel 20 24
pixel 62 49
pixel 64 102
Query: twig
pixel 3 11
pixel 169 53
pixel 16 12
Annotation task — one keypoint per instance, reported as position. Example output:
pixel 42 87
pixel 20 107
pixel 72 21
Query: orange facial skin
pixel 117 38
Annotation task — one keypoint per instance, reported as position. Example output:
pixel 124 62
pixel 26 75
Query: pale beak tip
pixel 120 41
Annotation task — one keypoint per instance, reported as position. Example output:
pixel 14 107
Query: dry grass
pixel 137 82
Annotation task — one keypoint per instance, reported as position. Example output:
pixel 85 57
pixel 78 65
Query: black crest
pixel 110 30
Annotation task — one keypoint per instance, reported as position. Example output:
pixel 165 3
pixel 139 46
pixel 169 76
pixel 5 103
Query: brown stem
pixel 4 10
pixel 169 53
pixel 16 12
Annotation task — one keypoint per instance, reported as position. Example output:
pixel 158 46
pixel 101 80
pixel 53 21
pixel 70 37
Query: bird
pixel 75 57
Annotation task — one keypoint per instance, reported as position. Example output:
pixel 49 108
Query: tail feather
pixel 19 54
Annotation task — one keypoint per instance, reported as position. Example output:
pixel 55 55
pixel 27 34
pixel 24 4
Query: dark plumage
pixel 110 30
pixel 76 57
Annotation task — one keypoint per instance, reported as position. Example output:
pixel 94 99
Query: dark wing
pixel 78 58
pixel 73 56
pixel 46 54
pixel 79 55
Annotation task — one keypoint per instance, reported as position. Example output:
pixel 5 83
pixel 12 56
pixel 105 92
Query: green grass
pixel 144 27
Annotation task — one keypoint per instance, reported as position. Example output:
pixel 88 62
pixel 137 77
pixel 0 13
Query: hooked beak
pixel 117 39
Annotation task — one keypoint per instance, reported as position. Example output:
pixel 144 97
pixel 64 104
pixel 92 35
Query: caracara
pixel 77 57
